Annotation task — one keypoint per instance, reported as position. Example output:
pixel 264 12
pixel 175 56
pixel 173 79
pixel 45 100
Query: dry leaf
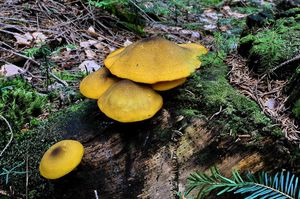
pixel 224 28
pixel 227 11
pixel 24 39
pixel 127 43
pixel 99 46
pixel 111 48
pixel 211 13
pixel 89 66
pixel 55 86
pixel 210 27
pixel 90 54
pixel 39 37
pixel 92 32
pixel 8 70
pixel 271 103
pixel 193 34
pixel 88 43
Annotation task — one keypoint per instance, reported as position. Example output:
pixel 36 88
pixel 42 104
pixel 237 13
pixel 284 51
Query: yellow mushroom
pixel 110 58
pixel 155 60
pixel 61 158
pixel 96 83
pixel 167 85
pixel 197 49
pixel 127 101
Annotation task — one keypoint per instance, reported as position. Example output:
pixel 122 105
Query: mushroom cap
pixel 155 60
pixel 96 83
pixel 61 158
pixel 127 101
pixel 167 85
pixel 110 59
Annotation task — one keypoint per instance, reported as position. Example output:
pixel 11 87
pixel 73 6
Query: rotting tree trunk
pixel 140 160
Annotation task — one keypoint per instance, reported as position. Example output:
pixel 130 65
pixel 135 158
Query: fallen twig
pixel 96 194
pixel 285 63
pixel 58 79
pixel 11 135
pixel 27 178
pixel 16 53
pixel 217 113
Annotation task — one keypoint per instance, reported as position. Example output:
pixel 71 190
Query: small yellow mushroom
pixel 96 83
pixel 61 158
pixel 127 101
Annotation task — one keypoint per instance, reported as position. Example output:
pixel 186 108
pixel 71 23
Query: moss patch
pixel 272 46
pixel 19 104
pixel 32 145
pixel 296 109
pixel 239 114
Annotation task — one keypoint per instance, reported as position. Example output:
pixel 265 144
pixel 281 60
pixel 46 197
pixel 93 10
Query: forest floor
pixel 47 47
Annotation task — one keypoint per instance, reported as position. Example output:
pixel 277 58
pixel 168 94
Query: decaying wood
pixel 129 161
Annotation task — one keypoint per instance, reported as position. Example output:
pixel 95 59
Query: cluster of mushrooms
pixel 126 90
pixel 126 87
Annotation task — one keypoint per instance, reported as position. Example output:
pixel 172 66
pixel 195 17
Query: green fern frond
pixel 283 185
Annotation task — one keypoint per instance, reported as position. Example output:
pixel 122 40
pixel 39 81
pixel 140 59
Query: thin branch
pixel 285 63
pixel 96 194
pixel 11 135
pixel 217 113
pixel 147 17
pixel 58 79
pixel 15 19
pixel 16 53
pixel 27 177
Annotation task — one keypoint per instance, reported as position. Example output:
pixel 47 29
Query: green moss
pixel 209 2
pixel 70 76
pixel 292 12
pixel 19 104
pixel 240 113
pixel 273 45
pixel 190 112
pixel 39 50
pixel 33 144
pixel 237 25
pixel 127 11
pixel 248 9
pixel 296 109
pixel 212 93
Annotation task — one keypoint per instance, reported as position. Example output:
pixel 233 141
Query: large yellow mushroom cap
pixel 155 60
pixel 197 50
pixel 61 158
pixel 110 59
pixel 96 83
pixel 167 85
pixel 127 101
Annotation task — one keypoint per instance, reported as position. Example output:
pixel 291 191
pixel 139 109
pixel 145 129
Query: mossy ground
pixel 279 41
pixel 32 145
pixel 212 93
pixel 20 104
